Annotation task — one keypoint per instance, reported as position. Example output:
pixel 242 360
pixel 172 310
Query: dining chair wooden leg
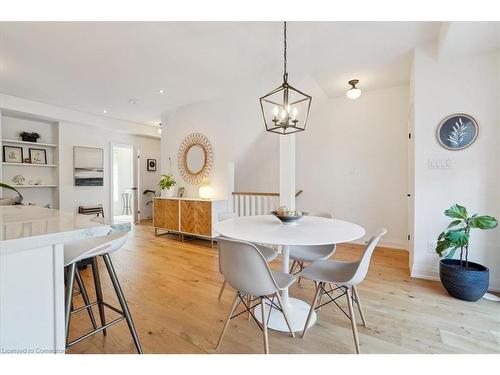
pixel 228 319
pixel 292 267
pixel 249 303
pixel 353 319
pixel 285 314
pixel 313 304
pixel 320 298
pixel 264 326
pixel 358 302
pixel 223 286
pixel 301 268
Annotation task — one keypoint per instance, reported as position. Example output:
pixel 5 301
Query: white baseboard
pixel 433 274
pixel 387 244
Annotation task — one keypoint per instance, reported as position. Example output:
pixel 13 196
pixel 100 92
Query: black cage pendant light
pixel 285 109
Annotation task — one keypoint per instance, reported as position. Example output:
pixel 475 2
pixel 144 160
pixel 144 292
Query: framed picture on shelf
pixel 38 155
pixel 12 154
pixel 151 165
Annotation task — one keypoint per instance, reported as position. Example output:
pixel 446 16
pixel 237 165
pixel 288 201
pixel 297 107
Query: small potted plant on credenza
pixel 462 278
pixel 166 185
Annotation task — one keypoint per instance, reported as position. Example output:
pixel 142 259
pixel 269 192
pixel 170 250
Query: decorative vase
pixel 468 284
pixel 168 193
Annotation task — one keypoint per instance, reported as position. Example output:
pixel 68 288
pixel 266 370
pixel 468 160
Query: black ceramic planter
pixel 468 284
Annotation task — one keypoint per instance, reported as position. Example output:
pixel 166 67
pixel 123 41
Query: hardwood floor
pixel 172 289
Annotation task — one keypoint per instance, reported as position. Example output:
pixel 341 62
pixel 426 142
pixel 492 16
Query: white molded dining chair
pixel 345 275
pixel 245 269
pixel 308 254
pixel 268 252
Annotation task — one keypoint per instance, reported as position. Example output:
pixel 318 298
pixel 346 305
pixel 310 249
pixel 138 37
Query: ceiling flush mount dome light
pixel 353 92
pixel 285 109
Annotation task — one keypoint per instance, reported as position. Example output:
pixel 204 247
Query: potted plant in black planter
pixel 463 279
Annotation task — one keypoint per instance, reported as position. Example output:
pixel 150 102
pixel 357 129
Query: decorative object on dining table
pixel 7 201
pixel 18 179
pixel 166 185
pixel 195 158
pixel 285 109
pixel 287 216
pixel 38 155
pixel 151 165
pixel 12 154
pixel 29 136
pixel 181 191
pixel 88 165
pixel 457 132
pixel 462 278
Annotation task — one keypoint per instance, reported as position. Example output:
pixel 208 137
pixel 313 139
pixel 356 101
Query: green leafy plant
pixel 457 234
pixel 167 181
pixel 19 198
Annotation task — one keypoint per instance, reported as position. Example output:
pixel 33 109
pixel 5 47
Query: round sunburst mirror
pixel 195 158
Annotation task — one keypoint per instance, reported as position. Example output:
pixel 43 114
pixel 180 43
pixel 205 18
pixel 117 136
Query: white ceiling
pixel 91 66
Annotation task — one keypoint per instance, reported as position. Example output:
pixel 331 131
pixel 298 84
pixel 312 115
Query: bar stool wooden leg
pixel 123 302
pixel 98 293
pixel 85 297
pixel 69 296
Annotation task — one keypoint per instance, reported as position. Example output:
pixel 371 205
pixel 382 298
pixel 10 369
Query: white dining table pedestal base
pixel 296 311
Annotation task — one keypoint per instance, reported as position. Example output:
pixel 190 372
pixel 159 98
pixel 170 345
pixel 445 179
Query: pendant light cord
pixel 285 74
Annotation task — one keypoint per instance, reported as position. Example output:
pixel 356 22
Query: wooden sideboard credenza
pixel 188 216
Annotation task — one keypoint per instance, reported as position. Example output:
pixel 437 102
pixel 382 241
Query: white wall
pixel 235 129
pixel 453 84
pixel 71 196
pixel 352 161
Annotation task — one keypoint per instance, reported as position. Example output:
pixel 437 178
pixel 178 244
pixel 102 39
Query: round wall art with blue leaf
pixel 457 131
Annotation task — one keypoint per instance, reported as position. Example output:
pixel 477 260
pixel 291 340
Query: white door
pixel 124 182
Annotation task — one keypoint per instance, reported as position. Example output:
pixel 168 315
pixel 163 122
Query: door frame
pixel 136 206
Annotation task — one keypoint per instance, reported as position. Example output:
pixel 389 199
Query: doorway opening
pixel 124 183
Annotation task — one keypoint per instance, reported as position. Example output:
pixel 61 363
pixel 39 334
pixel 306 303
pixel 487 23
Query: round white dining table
pixel 308 231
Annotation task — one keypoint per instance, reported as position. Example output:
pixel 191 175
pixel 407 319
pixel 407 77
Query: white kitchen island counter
pixel 32 275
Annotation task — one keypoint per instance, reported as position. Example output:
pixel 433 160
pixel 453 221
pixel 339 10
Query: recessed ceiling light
pixel 105 111
pixel 162 91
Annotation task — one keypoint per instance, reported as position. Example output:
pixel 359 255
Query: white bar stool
pixel 90 249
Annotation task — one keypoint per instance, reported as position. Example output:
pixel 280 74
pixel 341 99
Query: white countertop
pixel 24 227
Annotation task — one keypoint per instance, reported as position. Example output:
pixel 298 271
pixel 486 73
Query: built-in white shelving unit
pixel 41 186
